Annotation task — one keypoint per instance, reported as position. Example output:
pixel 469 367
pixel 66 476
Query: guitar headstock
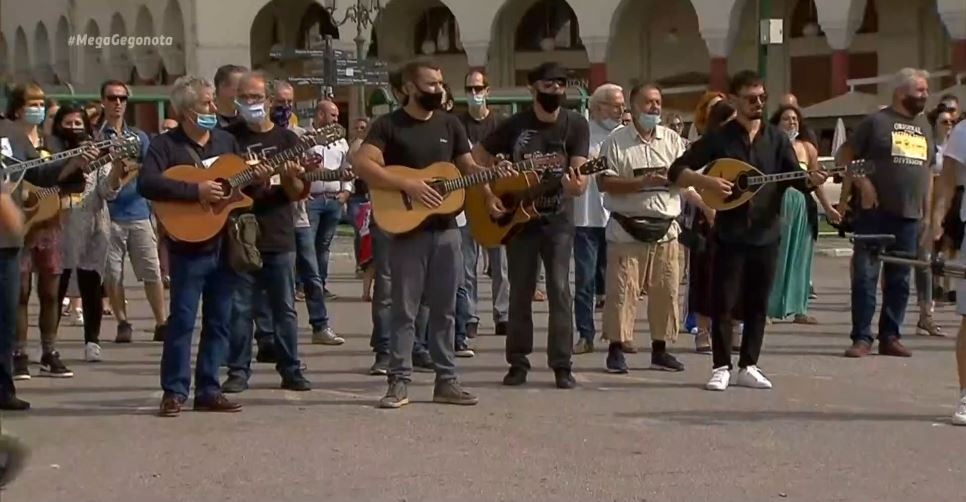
pixel 326 135
pixel 593 166
pixel 128 146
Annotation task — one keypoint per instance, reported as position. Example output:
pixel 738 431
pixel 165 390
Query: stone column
pixel 718 23
pixel 597 55
pixel 476 55
pixel 839 19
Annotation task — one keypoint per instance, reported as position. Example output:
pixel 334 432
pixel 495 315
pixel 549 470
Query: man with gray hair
pixel 590 218
pixel 198 270
pixel 894 199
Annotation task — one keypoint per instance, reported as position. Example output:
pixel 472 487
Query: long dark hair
pixel 66 136
pixel 804 133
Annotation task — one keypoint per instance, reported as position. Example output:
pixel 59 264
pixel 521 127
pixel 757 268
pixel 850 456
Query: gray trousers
pixel 382 299
pixel 426 267
pixel 500 284
pixel 551 242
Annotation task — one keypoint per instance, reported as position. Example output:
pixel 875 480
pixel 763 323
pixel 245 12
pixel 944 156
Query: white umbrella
pixel 838 139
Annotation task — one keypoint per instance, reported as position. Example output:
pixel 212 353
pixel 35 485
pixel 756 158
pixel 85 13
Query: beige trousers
pixel 657 268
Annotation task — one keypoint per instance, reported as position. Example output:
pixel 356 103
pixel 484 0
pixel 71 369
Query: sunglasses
pixel 117 99
pixel 947 122
pixel 754 99
pixel 475 88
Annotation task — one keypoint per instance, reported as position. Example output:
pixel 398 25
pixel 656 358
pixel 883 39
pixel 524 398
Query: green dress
pixel 789 290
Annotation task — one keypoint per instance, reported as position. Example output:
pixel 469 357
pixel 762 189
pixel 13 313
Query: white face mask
pixel 477 100
pixel 253 114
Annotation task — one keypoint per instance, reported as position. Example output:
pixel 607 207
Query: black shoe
pixel 564 378
pixel 266 354
pixel 396 396
pixel 21 367
pixel 516 376
pixel 124 332
pixel 51 365
pixel 472 329
pixel 160 331
pixel 422 363
pixel 464 350
pixel 380 366
pixel 13 403
pixel 615 359
pixel 501 329
pixel 296 382
pixel 234 384
pixel 665 361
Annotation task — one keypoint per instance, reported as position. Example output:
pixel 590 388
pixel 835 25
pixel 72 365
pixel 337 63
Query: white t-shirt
pixel 955 149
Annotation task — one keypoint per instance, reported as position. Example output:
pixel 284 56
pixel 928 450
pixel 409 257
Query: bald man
pixel 168 124
pixel 789 100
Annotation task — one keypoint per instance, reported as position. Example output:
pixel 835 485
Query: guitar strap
pixel 194 156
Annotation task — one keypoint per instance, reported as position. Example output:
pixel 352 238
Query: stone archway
pixel 42 69
pixel 21 55
pixel 62 52
pixel 119 61
pixel 4 60
pixel 93 65
pixel 147 59
pixel 172 25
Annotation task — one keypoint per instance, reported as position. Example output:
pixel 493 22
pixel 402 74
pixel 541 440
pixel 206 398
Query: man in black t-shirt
pixel 546 128
pixel 274 283
pixel 426 263
pixel 226 84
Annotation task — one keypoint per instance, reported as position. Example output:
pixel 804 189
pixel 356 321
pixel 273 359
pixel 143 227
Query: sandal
pixel 804 319
pixel 928 327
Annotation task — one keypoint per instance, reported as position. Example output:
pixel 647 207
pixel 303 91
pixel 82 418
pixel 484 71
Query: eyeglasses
pixel 947 122
pixel 754 99
pixel 475 88
pixel 120 98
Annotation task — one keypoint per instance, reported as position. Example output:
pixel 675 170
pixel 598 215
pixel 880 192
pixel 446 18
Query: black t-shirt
pixel 477 130
pixel 272 208
pixel 229 121
pixel 524 134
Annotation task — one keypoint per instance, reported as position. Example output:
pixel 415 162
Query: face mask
pixel 75 136
pixel 914 105
pixel 792 134
pixel 549 101
pixel 252 114
pixel 609 124
pixel 430 101
pixel 281 114
pixel 34 114
pixel 206 120
pixel 649 121
pixel 477 100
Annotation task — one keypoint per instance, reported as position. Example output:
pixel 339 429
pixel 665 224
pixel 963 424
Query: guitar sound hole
pixel 30 202
pixel 225 186
pixel 741 184
pixel 437 184
pixel 509 203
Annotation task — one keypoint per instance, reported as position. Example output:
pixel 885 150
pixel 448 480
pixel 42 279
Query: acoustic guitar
pixel 193 221
pixel 43 204
pixel 520 195
pixel 747 180
pixel 395 212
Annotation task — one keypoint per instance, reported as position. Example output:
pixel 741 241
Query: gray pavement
pixel 833 429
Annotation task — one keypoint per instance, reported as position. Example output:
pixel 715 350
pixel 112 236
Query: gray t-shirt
pixel 902 150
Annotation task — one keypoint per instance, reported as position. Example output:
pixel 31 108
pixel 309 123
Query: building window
pixel 437 33
pixel 548 25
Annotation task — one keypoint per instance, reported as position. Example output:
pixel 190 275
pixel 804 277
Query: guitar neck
pixel 247 177
pixel 796 175
pixel 27 165
pixel 323 175
pixel 484 176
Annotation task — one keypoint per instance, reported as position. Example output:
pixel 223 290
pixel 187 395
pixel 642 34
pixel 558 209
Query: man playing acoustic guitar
pixel 748 235
pixel 427 262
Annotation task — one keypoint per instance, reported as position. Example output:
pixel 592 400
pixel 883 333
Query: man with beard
pixel 898 140
pixel 747 237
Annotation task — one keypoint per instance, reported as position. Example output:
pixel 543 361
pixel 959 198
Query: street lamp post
pixel 364 14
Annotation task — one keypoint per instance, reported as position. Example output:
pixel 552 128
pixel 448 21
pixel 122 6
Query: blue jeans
pixel 382 300
pixel 466 295
pixel 352 208
pixel 275 287
pixel 209 278
pixel 865 275
pixel 307 267
pixel 590 263
pixel 324 214
pixel 9 294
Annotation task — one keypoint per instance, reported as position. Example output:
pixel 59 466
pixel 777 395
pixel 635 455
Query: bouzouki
pixel 20 166
pixel 42 204
pixel 520 195
pixel 395 212
pixel 192 221
pixel 747 180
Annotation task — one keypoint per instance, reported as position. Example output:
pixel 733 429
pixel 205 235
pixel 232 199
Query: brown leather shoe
pixel 891 346
pixel 217 403
pixel 859 348
pixel 171 405
pixel 628 348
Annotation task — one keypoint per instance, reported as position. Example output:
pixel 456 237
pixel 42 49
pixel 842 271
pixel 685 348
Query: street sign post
pixel 330 67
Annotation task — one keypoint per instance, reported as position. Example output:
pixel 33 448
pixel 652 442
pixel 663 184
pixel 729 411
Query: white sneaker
pixel 959 418
pixel 720 378
pixel 78 317
pixel 92 352
pixel 752 377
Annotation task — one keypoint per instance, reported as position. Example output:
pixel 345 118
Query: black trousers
pixel 550 240
pixel 741 274
pixel 91 291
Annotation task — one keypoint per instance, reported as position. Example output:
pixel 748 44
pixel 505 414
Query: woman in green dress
pixel 790 290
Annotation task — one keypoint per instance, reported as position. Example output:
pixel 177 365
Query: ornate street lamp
pixel 363 13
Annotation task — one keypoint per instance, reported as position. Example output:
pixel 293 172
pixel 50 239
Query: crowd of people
pixel 635 231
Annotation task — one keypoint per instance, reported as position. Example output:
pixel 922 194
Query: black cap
pixel 547 71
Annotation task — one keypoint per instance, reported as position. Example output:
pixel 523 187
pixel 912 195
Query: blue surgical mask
pixel 609 124
pixel 35 114
pixel 649 121
pixel 206 120
pixel 252 114
pixel 477 100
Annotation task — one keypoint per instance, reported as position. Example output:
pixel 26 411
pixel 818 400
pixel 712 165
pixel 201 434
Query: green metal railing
pixel 383 96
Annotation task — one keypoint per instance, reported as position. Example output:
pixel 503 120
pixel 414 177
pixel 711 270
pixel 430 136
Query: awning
pixel 850 104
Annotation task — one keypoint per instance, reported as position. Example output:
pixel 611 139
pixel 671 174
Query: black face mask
pixel 915 105
pixel 549 101
pixel 430 101
pixel 75 137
